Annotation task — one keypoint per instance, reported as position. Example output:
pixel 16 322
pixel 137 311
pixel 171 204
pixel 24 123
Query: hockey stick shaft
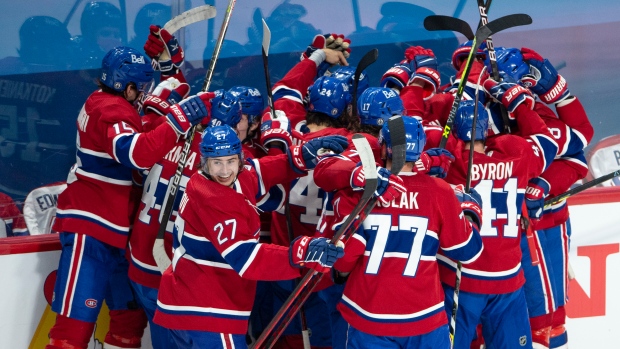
pixel 305 286
pixel 369 58
pixel 483 9
pixel 159 252
pixel 481 34
pixel 579 189
pixel 265 53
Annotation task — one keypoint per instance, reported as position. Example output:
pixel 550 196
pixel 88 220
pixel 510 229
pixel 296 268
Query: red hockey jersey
pixel 217 258
pixel 394 287
pixel 110 143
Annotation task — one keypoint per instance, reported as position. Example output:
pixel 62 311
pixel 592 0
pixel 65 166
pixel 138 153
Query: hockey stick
pixel 356 15
pixel 369 58
pixel 71 12
pixel 305 333
pixel 579 189
pixel 441 22
pixel 188 17
pixel 290 307
pixel 481 34
pixel 273 330
pixel 159 252
pixel 483 8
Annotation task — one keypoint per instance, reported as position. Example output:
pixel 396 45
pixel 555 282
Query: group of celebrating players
pixel 297 172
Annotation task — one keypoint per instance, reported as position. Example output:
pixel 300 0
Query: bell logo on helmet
pixel 136 59
pixel 117 85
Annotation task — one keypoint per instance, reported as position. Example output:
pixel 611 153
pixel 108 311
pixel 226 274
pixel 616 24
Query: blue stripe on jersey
pixel 576 143
pixel 401 241
pixel 200 311
pixel 239 254
pixel 88 216
pixel 104 167
pixel 273 200
pixel 548 147
pixel 285 92
pixel 479 275
pixel 392 318
pixel 200 248
pixel 467 251
pixel 261 190
pixel 123 149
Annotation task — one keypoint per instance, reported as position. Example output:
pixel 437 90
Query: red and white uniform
pixel 13 223
pixel 394 287
pixel 217 258
pixel 110 143
pixel 500 176
pixel 604 158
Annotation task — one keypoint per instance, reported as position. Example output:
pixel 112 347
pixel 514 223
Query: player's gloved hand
pixel 535 193
pixel 423 63
pixel 435 162
pixel 316 253
pixel 167 93
pixel 389 186
pixel 305 157
pixel 511 95
pixel 397 77
pixel 190 112
pixel 471 204
pixel 275 132
pixel 335 42
pixel 543 79
pixel 164 49
pixel 462 52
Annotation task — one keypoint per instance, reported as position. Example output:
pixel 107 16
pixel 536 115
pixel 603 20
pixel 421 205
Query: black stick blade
pixel 399 142
pixel 369 58
pixel 500 24
pixel 441 22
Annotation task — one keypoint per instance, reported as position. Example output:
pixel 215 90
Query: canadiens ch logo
pixel 91 303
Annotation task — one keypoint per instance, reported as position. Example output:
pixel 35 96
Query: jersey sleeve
pixel 135 149
pixel 270 171
pixel 564 172
pixel 573 114
pixel 458 239
pixel 289 93
pixel 535 131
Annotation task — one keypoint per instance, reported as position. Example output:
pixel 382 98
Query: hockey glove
pixel 167 93
pixel 471 204
pixel 316 253
pixel 435 162
pixel 389 186
pixel 305 157
pixel 164 49
pixel 275 132
pixel 189 112
pixel 543 79
pixel 535 193
pixel 396 77
pixel 511 95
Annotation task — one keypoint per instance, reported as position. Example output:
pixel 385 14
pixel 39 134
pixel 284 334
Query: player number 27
pixel 382 225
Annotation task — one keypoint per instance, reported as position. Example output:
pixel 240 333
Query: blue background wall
pixel 46 75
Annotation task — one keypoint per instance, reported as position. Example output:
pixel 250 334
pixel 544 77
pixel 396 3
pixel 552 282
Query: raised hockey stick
pixel 441 22
pixel 481 34
pixel 290 307
pixel 159 252
pixel 188 17
pixel 305 332
pixel 369 58
pixel 579 189
pixel 482 9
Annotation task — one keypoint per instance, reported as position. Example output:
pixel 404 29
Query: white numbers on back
pixel 382 225
pixel 499 203
pixel 305 193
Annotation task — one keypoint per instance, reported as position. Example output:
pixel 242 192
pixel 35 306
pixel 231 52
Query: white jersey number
pixel 499 203
pixel 305 193
pixel 382 226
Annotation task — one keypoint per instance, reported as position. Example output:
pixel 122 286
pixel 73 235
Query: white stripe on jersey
pixel 488 274
pixel 140 263
pixel 79 254
pixel 93 217
pixel 250 259
pixel 411 316
pixel 101 178
pixel 94 153
pixel 205 262
pixel 202 309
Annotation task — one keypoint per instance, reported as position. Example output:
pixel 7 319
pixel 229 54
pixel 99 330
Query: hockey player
pixel 11 219
pixel 95 211
pixel 40 208
pixel 383 255
pixel 491 289
pixel 546 283
pixel 206 295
